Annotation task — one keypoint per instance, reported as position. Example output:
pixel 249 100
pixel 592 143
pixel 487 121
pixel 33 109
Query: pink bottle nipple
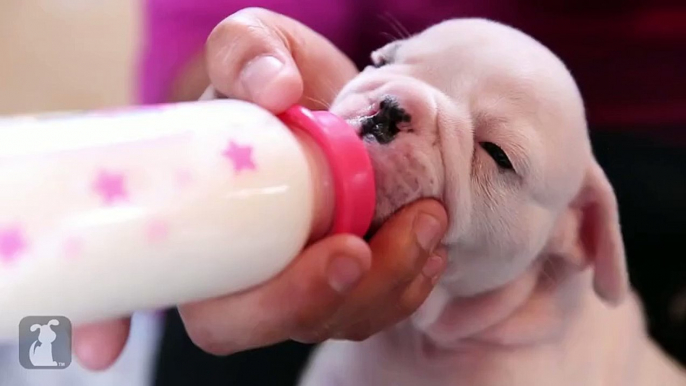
pixel 350 165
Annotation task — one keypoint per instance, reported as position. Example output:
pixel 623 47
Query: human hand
pixel 274 61
pixel 340 287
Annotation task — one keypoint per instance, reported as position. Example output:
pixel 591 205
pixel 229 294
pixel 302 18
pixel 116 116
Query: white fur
pixel 535 292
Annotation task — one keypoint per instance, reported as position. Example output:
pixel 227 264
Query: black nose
pixel 383 126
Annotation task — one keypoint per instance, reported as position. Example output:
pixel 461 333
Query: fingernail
pixel 428 231
pixel 344 273
pixel 259 73
pixel 434 266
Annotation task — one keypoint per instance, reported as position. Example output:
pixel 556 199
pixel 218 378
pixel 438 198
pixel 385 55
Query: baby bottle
pixel 103 214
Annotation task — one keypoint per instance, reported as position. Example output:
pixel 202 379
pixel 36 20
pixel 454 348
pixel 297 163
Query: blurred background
pixel 629 57
pixel 66 54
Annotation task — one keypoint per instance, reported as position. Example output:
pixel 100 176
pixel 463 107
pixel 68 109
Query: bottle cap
pixel 350 165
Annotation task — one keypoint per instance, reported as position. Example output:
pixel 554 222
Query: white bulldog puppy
pixel 486 119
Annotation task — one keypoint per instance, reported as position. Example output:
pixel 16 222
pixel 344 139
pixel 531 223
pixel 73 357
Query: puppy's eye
pixel 498 155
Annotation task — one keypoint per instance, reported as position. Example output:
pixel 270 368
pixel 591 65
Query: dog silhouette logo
pixel 45 342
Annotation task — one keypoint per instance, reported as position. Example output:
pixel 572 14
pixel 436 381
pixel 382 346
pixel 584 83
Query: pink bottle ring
pixel 350 165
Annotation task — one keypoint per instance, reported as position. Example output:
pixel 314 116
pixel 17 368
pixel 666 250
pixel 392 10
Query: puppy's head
pixel 490 122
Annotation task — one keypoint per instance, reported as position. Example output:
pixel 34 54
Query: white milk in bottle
pixel 106 213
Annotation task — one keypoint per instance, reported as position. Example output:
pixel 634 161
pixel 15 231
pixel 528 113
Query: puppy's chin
pixel 405 170
pixel 407 162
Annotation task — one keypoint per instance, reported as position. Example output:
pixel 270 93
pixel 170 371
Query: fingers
pixel 400 305
pixel 405 242
pixel 303 295
pixel 98 346
pixel 334 289
pixel 274 61
pixel 405 268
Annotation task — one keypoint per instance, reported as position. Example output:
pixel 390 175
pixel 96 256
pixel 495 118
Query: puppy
pixel 489 121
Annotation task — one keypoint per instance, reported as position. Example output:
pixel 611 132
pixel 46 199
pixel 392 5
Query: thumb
pixel 274 61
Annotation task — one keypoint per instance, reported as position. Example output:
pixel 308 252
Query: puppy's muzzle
pixel 382 127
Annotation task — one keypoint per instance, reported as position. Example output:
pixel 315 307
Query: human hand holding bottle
pixel 340 287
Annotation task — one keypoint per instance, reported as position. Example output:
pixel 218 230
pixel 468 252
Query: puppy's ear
pixel 599 237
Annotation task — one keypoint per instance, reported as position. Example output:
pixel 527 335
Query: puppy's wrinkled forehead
pixel 506 79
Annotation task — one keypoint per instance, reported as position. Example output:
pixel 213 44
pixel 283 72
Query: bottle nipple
pixel 351 167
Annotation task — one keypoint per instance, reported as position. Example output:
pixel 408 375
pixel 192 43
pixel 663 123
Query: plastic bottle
pixel 106 213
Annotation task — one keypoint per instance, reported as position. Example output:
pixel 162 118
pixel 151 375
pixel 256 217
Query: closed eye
pixel 498 155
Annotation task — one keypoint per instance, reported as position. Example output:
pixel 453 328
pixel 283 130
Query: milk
pixel 106 213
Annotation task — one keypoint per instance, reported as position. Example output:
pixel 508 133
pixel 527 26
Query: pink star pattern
pixel 110 187
pixel 240 156
pixel 157 231
pixel 12 243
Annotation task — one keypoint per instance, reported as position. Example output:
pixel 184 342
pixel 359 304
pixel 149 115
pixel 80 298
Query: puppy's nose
pixel 383 126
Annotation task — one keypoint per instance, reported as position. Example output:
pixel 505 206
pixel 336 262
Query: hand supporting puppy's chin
pixel 404 174
pixel 403 144
pixel 406 170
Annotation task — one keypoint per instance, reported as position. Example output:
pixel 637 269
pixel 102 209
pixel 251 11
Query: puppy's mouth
pixel 383 125
pixel 399 145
